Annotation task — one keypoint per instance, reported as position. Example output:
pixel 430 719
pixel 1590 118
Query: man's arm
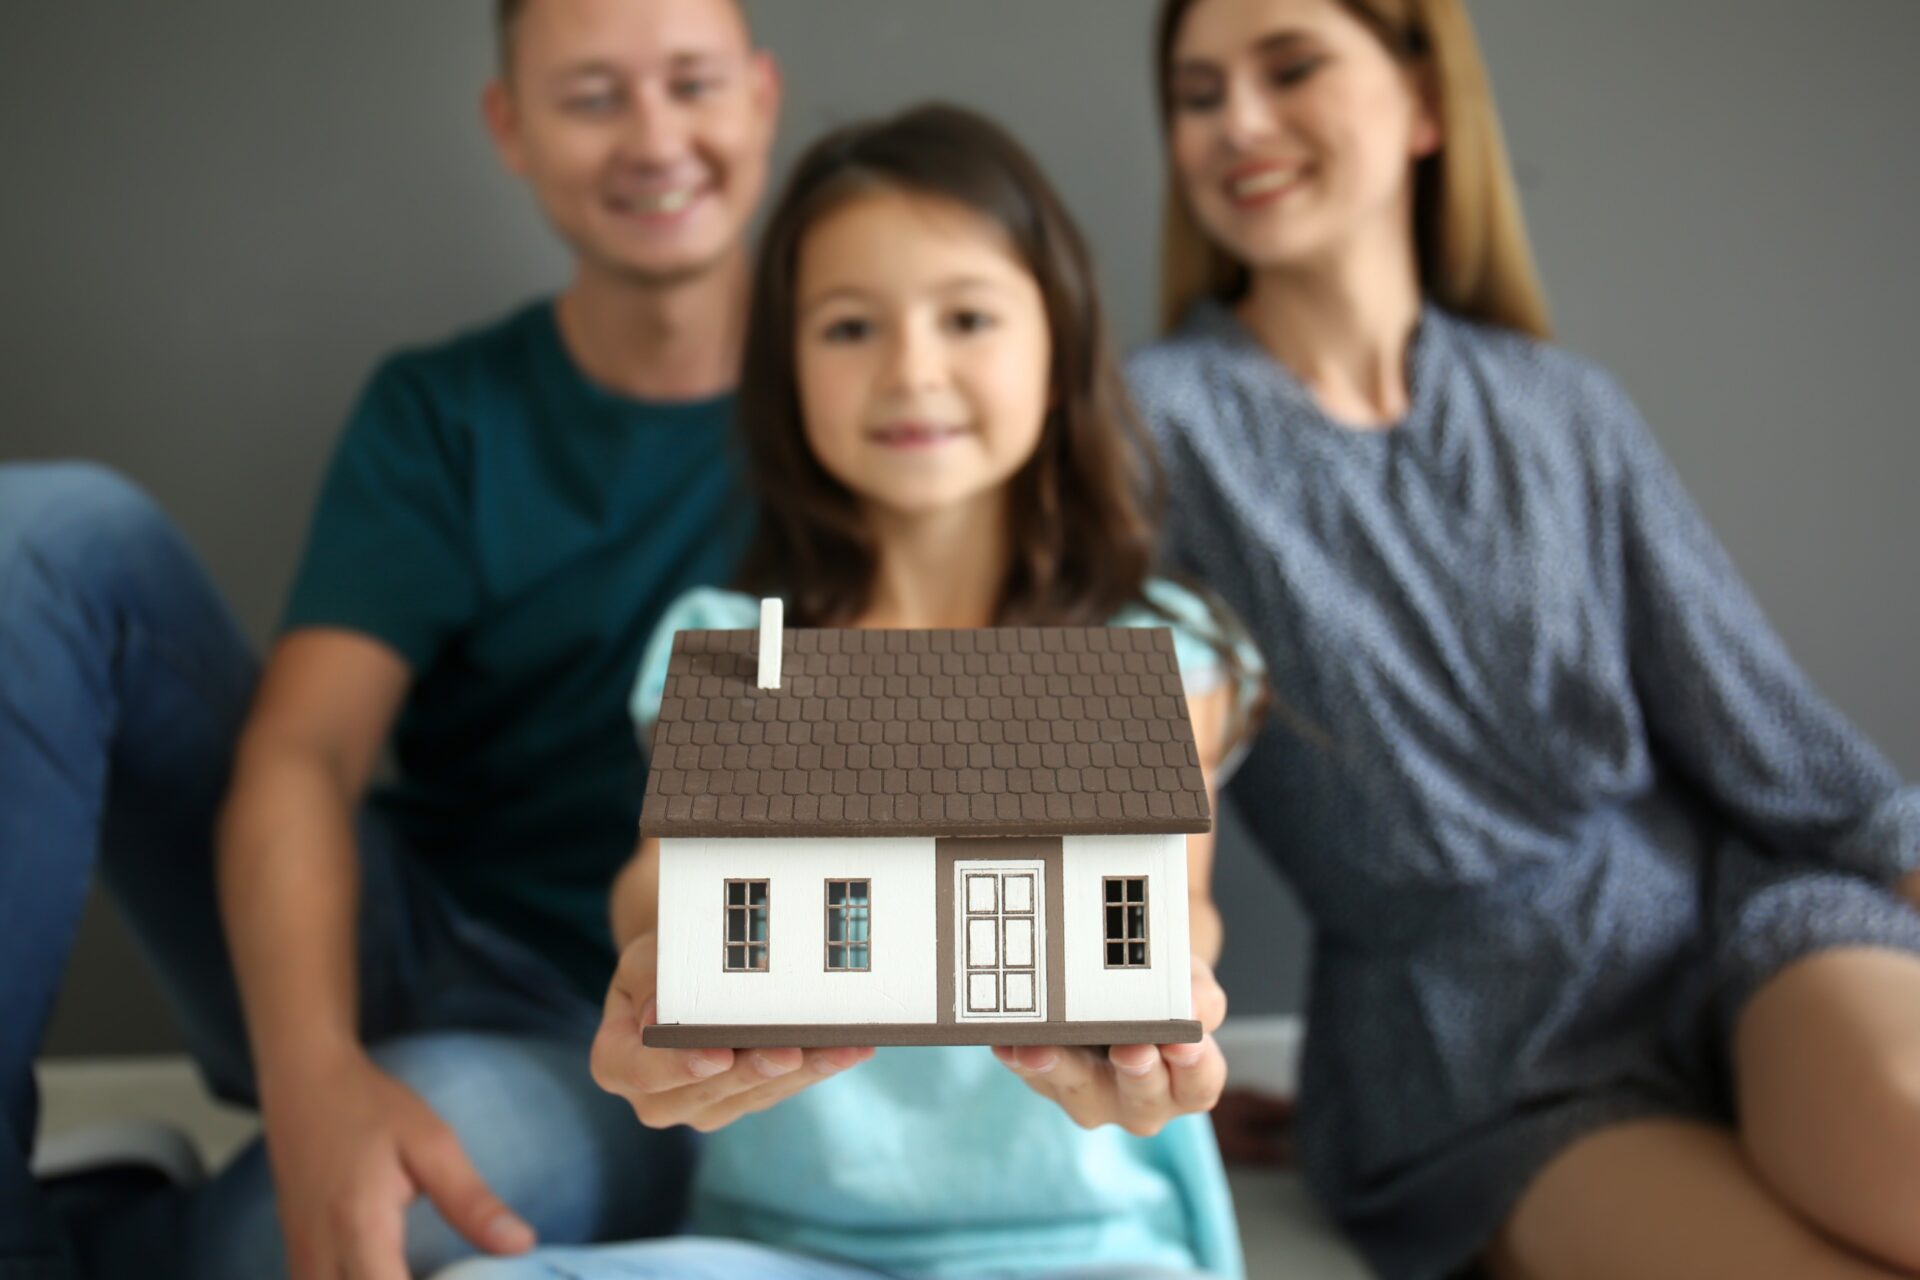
pixel 288 858
pixel 350 1146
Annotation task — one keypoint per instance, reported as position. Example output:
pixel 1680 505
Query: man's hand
pixel 1139 1087
pixel 351 1148
pixel 705 1088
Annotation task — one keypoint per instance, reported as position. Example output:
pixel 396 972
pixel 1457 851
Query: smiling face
pixel 1293 129
pixel 922 352
pixel 643 127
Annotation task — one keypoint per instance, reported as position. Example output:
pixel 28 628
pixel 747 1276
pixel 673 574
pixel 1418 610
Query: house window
pixel 849 917
pixel 746 926
pixel 1126 926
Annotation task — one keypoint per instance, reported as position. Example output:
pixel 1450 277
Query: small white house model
pixel 923 837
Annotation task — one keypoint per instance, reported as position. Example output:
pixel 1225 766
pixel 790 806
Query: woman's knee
pixel 1827 1062
pixel 1659 1199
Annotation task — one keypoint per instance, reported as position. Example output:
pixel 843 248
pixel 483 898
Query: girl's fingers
pixel 819 1065
pixel 725 1111
pixel 623 1064
pixel 677 1097
pixel 1141 1088
pixel 1209 998
pixel 1197 1073
pixel 672 1086
pixel 1051 1069
pixel 1072 1078
pixel 1032 1063
pixel 749 1069
pixel 844 1058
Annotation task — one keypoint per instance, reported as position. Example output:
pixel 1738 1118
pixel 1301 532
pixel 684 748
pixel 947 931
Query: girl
pixel 1614 973
pixel 938 439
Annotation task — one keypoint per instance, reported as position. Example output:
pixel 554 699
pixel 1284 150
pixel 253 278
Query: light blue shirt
pixel 941 1161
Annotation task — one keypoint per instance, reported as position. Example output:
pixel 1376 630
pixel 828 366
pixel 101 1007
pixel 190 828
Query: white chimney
pixel 769 644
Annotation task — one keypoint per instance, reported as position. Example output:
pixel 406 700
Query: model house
pixel 923 837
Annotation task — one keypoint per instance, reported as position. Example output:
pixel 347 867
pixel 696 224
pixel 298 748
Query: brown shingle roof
pixel 1009 731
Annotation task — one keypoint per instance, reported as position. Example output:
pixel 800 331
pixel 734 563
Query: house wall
pixel 1096 993
pixel 695 988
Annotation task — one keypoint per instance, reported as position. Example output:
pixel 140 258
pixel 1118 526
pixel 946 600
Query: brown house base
pixel 683 1035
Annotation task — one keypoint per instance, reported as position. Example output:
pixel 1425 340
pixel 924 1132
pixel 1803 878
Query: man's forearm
pixel 289 897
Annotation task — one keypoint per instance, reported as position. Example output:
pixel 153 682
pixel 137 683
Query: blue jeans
pixel 123 685
pixel 693 1258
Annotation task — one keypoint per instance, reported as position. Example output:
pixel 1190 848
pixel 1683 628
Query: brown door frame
pixel 948 853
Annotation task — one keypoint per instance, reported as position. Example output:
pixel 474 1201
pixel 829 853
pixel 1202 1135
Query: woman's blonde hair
pixel 1469 234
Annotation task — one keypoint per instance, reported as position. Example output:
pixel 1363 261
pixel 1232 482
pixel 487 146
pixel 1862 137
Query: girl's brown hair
pixel 1469 234
pixel 1082 508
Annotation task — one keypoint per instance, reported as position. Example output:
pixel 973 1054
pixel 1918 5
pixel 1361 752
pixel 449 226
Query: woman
pixel 1614 974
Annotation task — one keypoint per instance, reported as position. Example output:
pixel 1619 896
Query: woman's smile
pixel 1257 185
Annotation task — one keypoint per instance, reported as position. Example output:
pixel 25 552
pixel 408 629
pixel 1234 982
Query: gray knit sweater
pixel 1555 795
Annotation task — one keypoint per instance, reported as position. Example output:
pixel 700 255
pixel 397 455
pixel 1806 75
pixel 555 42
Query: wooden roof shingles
pixel 996 732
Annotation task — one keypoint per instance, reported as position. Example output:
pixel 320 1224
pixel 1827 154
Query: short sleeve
pixel 390 551
pixel 702 609
pixel 1201 638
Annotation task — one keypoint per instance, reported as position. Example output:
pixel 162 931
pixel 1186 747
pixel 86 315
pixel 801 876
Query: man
pixel 506 516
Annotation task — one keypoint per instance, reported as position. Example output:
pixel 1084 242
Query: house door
pixel 1000 935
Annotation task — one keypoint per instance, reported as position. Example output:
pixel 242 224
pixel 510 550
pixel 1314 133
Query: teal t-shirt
pixel 515 534
pixel 942 1162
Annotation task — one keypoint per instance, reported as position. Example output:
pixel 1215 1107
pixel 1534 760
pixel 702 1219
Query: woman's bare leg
pixel 1663 1200
pixel 1827 1068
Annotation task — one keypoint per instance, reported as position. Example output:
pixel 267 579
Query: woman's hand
pixel 705 1088
pixel 1139 1087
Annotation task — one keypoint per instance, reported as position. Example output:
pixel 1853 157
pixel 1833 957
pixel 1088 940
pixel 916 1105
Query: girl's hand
pixel 705 1088
pixel 1139 1087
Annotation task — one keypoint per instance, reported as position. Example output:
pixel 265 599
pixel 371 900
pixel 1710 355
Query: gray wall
pixel 219 213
